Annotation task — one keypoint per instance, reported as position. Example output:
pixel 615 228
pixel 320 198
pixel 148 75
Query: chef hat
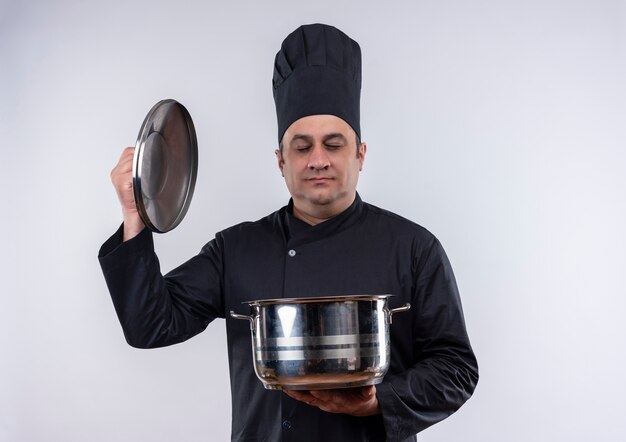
pixel 317 71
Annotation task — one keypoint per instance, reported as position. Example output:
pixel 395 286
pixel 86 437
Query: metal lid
pixel 165 166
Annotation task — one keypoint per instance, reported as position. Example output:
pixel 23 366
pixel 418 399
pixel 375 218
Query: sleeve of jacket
pixel 156 310
pixel 445 371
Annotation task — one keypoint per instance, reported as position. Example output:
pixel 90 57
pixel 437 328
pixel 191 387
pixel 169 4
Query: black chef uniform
pixel 364 250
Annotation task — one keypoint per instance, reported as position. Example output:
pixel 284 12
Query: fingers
pixel 302 396
pixel 314 399
pixel 125 163
pixel 331 401
pixel 121 175
pixel 323 395
pixel 122 179
pixel 368 392
pixel 345 394
pixel 130 150
pixel 354 401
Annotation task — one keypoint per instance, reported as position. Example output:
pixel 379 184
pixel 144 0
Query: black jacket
pixel 364 250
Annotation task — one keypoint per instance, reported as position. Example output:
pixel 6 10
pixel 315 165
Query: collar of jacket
pixel 298 232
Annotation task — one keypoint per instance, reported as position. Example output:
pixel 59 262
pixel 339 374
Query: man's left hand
pixel 360 401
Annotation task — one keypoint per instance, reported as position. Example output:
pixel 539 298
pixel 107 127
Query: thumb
pixel 368 391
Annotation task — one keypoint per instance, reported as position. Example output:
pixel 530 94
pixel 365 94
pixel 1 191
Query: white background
pixel 498 125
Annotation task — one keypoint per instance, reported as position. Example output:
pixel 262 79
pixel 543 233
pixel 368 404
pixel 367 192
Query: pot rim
pixel 338 298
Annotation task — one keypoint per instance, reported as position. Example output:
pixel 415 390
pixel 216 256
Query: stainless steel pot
pixel 320 343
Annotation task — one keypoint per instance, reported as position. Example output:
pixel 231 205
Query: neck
pixel 315 215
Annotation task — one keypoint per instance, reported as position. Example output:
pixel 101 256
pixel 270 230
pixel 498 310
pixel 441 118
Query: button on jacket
pixel 364 250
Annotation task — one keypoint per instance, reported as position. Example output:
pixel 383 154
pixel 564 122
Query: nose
pixel 318 159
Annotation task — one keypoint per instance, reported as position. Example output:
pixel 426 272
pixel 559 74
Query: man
pixel 325 242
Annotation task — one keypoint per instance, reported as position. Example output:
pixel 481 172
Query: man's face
pixel 320 164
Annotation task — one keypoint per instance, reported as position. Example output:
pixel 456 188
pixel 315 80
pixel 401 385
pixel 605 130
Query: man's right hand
pixel 122 178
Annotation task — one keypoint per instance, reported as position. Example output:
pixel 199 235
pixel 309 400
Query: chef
pixel 326 241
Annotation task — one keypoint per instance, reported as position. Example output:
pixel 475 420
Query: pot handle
pixel 404 308
pixel 249 318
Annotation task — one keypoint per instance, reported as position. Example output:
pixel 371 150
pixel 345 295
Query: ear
pixel 362 153
pixel 279 157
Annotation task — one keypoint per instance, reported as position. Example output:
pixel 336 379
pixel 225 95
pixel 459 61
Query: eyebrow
pixel 309 138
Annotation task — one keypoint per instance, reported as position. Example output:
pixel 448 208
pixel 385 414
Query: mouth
pixel 319 179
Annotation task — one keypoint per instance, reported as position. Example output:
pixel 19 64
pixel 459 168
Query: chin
pixel 325 199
